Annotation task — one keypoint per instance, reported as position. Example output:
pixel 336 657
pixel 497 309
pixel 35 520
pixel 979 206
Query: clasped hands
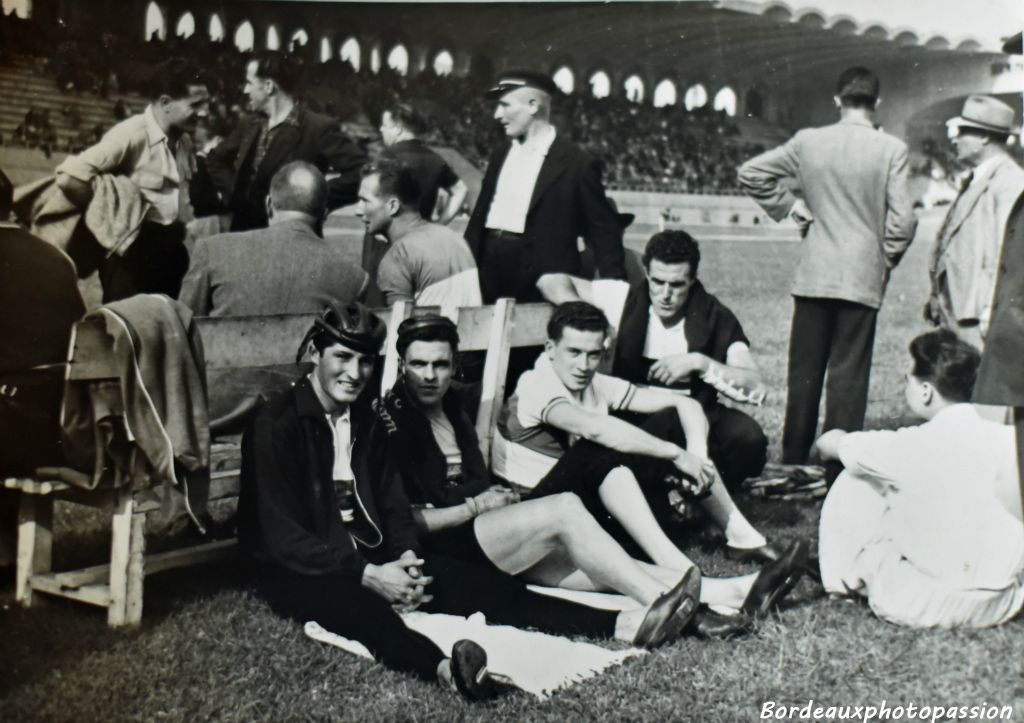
pixel 492 498
pixel 699 473
pixel 401 582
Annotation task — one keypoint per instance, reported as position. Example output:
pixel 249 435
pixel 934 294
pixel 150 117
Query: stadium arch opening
pixel 600 84
pixel 186 26
pixel 398 59
pixel 444 63
pixel 298 40
pixel 245 37
pixel 273 38
pixel 634 87
pixel 155 23
pixel 725 99
pixel 665 94
pixel 351 53
pixel 696 96
pixel 216 29
pixel 564 79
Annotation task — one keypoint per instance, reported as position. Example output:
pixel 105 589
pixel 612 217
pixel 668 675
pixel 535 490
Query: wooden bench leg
pixel 127 561
pixel 35 543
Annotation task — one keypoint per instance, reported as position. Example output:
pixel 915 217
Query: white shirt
pixel 948 484
pixel 516 181
pixel 661 341
pixel 341 431
pixel 136 147
pixel 524 448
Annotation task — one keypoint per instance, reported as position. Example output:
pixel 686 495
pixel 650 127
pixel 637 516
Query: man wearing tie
pixel 966 252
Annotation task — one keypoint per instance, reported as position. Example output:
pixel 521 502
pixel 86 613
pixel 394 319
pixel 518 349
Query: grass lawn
pixel 208 650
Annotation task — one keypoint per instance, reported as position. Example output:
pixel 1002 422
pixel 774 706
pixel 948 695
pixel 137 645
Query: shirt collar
pixel 539 144
pixel 653 318
pixel 292 119
pixel 984 167
pixel 154 133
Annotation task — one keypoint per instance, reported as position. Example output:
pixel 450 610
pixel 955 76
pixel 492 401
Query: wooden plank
pixel 399 313
pixel 35 544
pixel 120 552
pixel 475 328
pixel 136 571
pixel 492 393
pixel 92 594
pixel 530 325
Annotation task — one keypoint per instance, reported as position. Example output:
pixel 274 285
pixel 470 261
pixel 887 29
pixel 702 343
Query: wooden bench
pixel 232 346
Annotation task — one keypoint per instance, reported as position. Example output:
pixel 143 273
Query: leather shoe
pixel 775 580
pixel 469 672
pixel 670 613
pixel 710 625
pixel 769 552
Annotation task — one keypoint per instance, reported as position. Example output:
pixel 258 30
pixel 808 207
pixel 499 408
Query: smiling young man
pixel 552 540
pixel 323 513
pixel 540 193
pixel 558 433
pixel 154 149
pixel 925 521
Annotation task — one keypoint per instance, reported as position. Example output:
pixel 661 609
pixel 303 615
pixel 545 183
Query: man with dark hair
pixel 856 220
pixel 323 513
pixel 925 522
pixel 279 130
pixel 401 126
pixel 154 149
pixel 286 268
pixel 425 262
pixel 40 299
pixel 558 433
pixel 552 540
pixel 672 333
pixel 965 255
pixel 540 193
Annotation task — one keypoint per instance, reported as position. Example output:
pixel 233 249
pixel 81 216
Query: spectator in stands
pixel 672 333
pixel 964 257
pixel 857 222
pixel 925 521
pixel 40 301
pixel 561 431
pixel 281 130
pixel 286 268
pixel 154 149
pixel 401 127
pixel 539 194
pixel 552 540
pixel 323 513
pixel 426 262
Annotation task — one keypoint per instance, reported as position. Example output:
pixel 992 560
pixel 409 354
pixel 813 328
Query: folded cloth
pixel 159 355
pixel 537 663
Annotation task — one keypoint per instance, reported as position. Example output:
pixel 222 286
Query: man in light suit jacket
pixel 287 268
pixel 857 221
pixel 539 195
pixel 966 252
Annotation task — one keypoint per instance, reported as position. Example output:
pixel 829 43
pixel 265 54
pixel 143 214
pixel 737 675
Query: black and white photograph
pixel 511 361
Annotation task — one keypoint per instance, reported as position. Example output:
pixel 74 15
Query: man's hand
pixel 700 472
pixel 802 215
pixel 673 369
pixel 931 312
pixel 494 497
pixel 393 582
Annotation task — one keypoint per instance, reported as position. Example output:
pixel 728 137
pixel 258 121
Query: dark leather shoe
pixel 469 671
pixel 710 625
pixel 763 554
pixel 775 580
pixel 670 613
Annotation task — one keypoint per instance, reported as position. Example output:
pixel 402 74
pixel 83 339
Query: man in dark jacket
pixel 281 130
pixel 323 512
pixel 539 195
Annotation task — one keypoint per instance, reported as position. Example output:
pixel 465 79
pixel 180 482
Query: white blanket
pixel 536 662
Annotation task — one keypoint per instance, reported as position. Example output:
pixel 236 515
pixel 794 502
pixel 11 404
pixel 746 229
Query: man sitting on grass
pixel 323 512
pixel 925 521
pixel 557 434
pixel 552 540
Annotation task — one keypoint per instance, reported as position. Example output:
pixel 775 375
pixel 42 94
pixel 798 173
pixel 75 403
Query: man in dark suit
pixel 1000 380
pixel 281 130
pixel 539 195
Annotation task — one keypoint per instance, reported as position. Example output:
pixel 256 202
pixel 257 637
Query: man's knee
pixel 566 508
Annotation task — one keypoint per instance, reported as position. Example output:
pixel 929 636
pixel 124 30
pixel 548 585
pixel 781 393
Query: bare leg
pixel 721 508
pixel 729 592
pixel 558 527
pixel 622 497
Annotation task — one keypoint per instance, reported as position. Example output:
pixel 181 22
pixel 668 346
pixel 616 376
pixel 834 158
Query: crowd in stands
pixel 669 148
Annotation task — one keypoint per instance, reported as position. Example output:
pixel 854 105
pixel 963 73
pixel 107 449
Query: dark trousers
pixel 507 268
pixel 155 263
pixel 833 335
pixel 343 606
pixel 1018 424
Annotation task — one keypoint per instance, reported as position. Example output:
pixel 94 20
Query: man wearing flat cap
pixel 539 195
pixel 966 252
pixel 856 220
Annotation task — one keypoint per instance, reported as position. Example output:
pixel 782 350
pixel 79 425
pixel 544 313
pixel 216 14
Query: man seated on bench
pixel 552 540
pixel 557 434
pixel 925 521
pixel 323 512
pixel 672 333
